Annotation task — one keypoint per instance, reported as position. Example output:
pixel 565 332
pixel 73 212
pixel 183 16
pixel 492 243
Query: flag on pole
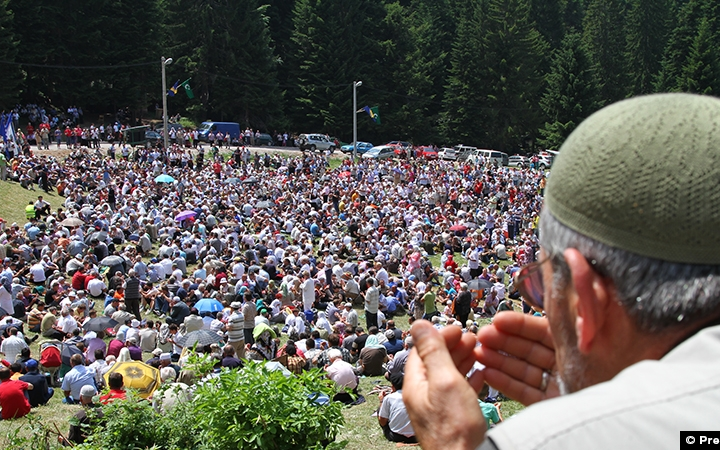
pixel 7 131
pixel 173 90
pixel 188 91
pixel 374 113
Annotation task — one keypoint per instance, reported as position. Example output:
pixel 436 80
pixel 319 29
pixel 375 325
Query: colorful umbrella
pixel 164 178
pixel 209 305
pixel 185 215
pixel 458 227
pixel 137 375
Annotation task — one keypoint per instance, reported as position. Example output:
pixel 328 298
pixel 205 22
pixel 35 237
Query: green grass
pixel 14 199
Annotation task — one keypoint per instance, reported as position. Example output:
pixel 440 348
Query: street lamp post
pixel 356 84
pixel 165 62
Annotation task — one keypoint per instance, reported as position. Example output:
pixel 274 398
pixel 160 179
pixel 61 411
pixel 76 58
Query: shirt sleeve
pixel 487 444
pixel 384 411
pixel 66 383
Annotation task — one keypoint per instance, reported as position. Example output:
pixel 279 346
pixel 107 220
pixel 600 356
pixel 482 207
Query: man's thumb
pixel 431 348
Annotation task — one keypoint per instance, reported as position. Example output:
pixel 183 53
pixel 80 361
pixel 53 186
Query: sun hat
pixel 641 175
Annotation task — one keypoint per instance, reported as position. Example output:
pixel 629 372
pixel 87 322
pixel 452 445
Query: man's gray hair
pixel 409 342
pixel 334 354
pixel 657 294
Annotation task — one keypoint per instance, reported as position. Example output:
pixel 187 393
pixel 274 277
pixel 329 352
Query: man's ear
pixel 593 296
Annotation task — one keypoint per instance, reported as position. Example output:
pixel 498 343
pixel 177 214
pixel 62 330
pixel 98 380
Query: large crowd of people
pixel 285 244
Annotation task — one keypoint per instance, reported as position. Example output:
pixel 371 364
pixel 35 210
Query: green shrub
pixel 249 409
pixel 259 409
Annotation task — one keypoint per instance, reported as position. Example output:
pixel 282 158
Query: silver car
pixel 314 142
pixel 380 152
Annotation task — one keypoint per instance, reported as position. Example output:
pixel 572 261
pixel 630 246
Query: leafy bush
pixel 259 409
pixel 134 424
pixel 249 409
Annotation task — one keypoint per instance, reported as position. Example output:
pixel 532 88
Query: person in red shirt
pixel 217 168
pixel 13 402
pixel 78 279
pixel 117 389
pixel 68 136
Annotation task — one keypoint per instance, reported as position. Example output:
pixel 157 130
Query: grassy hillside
pixel 14 198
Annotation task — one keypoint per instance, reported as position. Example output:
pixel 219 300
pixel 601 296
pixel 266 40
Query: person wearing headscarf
pixel 372 357
pixel 265 348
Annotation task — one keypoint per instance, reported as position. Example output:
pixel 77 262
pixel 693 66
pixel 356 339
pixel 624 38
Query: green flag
pixel 375 110
pixel 188 91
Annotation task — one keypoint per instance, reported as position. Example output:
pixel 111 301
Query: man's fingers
pixel 477 380
pixel 431 347
pixel 515 389
pixel 529 327
pixel 518 369
pixel 499 350
pixel 459 344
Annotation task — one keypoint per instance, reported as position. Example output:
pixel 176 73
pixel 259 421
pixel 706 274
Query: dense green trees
pixel 493 73
pixel 571 93
pixel 604 34
pixel 10 75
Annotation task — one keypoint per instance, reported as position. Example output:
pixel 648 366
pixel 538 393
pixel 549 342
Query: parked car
pixel 545 160
pixel 404 144
pixel 233 128
pixel 380 152
pixel 489 156
pixel 426 152
pixel 448 154
pixel 264 139
pixel 463 151
pixel 153 137
pixel 362 147
pixel 314 142
pixel 517 161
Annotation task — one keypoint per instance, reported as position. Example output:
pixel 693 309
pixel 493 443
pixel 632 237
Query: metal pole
pixel 355 85
pixel 164 62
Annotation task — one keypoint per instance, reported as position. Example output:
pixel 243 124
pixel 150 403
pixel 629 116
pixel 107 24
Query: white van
pixel 463 151
pixel 490 156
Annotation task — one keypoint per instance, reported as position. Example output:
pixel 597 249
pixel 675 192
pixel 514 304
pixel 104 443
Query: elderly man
pixel 342 374
pixel 76 378
pixel 629 276
pixel 79 428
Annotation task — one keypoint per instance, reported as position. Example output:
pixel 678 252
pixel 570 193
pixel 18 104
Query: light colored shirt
pixel 235 327
pixel 342 374
pixel 78 377
pixel 372 300
pixel 393 409
pixel 12 346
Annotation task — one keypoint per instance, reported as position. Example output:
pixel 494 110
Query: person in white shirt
pixel 238 269
pixel 96 287
pixel 393 416
pixel 343 374
pixel 67 322
pixel 295 322
pixel 308 291
pixel 12 345
pixel 37 271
